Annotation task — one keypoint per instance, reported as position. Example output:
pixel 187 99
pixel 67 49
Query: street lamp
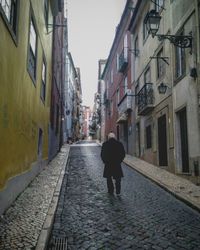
pixel 162 88
pixel 152 21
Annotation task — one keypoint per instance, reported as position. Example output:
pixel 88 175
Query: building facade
pixel 25 80
pixel 161 115
pixel 100 110
pixel 117 78
pixel 56 128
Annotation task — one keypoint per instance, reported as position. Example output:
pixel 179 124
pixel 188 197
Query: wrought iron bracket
pixel 179 41
pixel 164 58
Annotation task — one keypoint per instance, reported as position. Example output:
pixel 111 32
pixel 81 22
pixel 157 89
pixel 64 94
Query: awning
pixel 123 118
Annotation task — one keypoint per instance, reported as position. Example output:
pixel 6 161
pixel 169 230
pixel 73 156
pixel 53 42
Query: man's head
pixel 111 135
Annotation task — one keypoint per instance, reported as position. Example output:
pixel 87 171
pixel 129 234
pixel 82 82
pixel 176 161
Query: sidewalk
pixel 178 186
pixel 27 223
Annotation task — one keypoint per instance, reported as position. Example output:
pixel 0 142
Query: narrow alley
pixel 143 217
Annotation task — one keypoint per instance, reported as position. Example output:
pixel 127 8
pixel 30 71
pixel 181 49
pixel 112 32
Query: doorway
pixel 138 153
pixel 182 116
pixel 162 141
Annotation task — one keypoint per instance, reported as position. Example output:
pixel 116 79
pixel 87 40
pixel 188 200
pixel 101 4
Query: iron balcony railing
pixel 123 60
pixel 145 99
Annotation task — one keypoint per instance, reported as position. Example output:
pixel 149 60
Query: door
pixel 162 141
pixel 138 153
pixel 184 140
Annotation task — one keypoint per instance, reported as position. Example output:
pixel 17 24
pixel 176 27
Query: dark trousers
pixel 110 185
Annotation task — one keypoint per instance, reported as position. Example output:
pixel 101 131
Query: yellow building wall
pixel 22 111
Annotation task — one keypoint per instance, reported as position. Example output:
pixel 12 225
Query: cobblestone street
pixel 143 217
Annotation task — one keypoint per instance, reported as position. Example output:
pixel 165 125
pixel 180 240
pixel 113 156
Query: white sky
pixel 91 30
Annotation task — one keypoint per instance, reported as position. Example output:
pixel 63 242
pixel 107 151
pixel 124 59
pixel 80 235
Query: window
pixel 118 96
pixel 126 47
pixel 117 62
pixel 46 12
pixel 9 8
pixel 111 76
pixel 43 84
pixel 145 31
pixel 136 92
pixel 111 107
pixel 125 85
pixel 160 64
pixel 136 47
pixel 159 5
pixel 147 76
pixel 180 62
pixel 148 136
pixel 32 50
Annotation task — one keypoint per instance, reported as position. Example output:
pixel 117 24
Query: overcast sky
pixel 91 30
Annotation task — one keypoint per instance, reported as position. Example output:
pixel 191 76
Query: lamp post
pixel 152 21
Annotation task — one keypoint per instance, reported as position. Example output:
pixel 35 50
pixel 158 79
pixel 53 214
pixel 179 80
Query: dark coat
pixel 112 154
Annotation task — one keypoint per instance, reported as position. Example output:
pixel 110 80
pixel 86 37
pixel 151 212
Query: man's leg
pixel 118 185
pixel 110 185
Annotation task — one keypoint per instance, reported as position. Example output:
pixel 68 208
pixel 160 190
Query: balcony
pixel 126 102
pixel 123 61
pixel 145 99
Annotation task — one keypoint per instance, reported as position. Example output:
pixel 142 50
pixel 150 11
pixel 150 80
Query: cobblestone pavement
pixel 21 224
pixel 144 217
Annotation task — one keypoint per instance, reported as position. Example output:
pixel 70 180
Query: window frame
pixel 145 31
pixel 137 89
pixel 118 96
pixel 32 75
pixel 46 13
pixel 180 61
pixel 136 47
pixel 125 84
pixel 160 65
pixel 158 6
pixel 11 26
pixel 43 81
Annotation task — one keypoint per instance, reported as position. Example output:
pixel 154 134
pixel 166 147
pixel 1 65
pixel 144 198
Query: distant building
pixel 70 97
pixel 86 121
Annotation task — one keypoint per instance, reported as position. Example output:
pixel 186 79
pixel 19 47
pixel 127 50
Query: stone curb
pixel 48 223
pixel 179 187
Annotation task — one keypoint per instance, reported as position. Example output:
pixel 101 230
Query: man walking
pixel 112 154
